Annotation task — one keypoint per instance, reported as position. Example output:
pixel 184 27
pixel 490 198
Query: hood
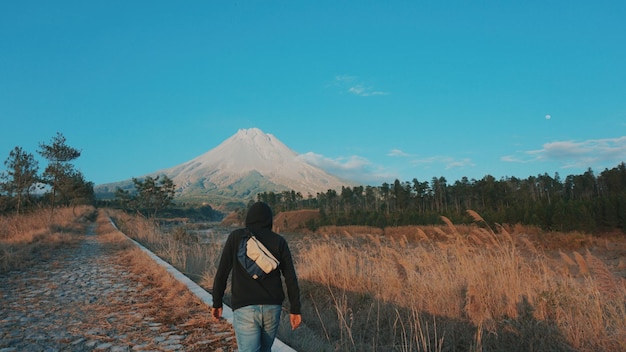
pixel 259 216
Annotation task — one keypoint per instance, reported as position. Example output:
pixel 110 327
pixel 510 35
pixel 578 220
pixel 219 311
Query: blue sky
pixel 370 90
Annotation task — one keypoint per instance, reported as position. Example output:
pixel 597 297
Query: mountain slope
pixel 245 164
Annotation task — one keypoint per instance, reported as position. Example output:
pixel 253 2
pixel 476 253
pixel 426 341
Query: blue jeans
pixel 256 327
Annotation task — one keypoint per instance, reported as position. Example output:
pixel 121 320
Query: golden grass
pixel 167 300
pixel 35 236
pixel 189 257
pixel 468 277
pixel 433 288
pixel 295 220
pixel 349 230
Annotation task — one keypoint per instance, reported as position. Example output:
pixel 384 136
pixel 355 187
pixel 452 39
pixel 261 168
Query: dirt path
pixel 84 299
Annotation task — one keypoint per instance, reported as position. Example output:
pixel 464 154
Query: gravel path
pixel 84 300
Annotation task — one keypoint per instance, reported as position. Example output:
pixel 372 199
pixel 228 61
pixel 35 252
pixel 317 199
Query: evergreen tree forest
pixel 588 202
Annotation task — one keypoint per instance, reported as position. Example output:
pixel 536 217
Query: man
pixel 257 303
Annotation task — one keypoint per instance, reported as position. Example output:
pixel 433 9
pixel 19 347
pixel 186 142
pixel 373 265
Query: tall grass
pixel 472 289
pixel 437 288
pixel 36 235
pixel 180 249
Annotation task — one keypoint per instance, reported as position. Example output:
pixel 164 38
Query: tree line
pixel 23 187
pixel 586 202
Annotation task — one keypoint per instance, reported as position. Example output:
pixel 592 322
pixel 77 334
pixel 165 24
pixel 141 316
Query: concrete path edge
pixel 201 293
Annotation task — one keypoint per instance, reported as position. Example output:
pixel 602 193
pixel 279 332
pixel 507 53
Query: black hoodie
pixel 246 290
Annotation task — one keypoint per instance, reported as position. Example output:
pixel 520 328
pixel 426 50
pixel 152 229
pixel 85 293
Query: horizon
pixel 303 157
pixel 367 92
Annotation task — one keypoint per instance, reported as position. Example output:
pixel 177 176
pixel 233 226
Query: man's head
pixel 259 216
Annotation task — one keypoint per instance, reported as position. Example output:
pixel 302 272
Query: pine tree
pixel 20 178
pixel 59 156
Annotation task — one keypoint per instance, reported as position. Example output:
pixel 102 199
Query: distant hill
pixel 284 221
pixel 248 163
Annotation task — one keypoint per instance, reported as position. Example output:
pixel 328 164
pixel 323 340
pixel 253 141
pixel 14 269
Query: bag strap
pixel 246 234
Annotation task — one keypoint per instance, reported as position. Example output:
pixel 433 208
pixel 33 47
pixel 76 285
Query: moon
pixel 548 117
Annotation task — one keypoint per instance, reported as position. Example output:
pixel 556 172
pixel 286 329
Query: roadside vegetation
pixel 42 211
pixel 35 236
pixel 467 287
pixel 168 300
pixel 441 287
pixel 24 189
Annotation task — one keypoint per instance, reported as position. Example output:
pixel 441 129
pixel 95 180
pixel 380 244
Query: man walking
pixel 257 302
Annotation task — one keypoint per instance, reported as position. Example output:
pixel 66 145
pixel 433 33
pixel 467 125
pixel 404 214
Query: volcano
pixel 247 163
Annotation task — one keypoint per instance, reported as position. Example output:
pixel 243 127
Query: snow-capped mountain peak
pixel 247 163
pixel 247 150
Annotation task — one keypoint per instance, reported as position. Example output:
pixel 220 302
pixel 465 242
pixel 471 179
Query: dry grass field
pixel 439 288
pixel 470 288
pixel 35 237
pixel 171 301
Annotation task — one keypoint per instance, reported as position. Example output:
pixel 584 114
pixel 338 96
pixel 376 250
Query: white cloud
pixel 575 154
pixel 372 93
pixel 355 168
pixel 352 85
pixel 446 161
pixel 512 159
pixel 357 90
pixel 338 164
pixel 453 164
pixel 345 78
pixel 398 153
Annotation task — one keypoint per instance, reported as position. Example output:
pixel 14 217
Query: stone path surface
pixel 84 300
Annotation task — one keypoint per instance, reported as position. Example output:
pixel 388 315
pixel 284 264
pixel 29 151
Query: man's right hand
pixel 295 320
pixel 217 313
